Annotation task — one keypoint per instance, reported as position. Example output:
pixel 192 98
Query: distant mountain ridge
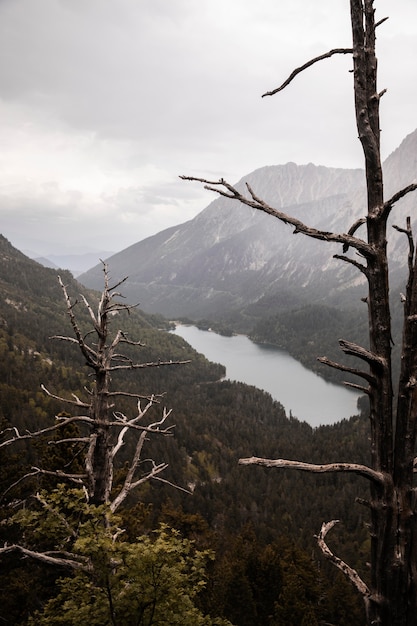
pixel 232 260
pixel 76 263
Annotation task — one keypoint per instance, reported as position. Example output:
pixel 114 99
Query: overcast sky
pixel 104 103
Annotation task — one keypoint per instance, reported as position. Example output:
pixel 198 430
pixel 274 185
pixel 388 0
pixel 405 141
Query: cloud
pixel 104 104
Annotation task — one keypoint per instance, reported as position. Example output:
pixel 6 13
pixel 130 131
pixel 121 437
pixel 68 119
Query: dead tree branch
pixel 75 478
pixel 298 70
pixel 353 468
pixel 73 561
pixel 75 402
pixel 388 205
pixel 345 368
pixel 351 574
pixel 411 248
pixel 43 431
pixel 354 349
pixel 346 259
pixel 136 366
pixel 223 188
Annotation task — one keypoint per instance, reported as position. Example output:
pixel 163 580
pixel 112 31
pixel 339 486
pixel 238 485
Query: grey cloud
pixel 160 88
pixel 50 220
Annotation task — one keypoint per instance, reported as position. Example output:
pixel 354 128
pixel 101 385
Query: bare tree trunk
pixel 393 588
pixel 99 462
pixel 100 465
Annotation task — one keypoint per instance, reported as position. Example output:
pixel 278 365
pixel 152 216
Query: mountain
pixel 33 311
pixel 42 260
pixel 233 262
pixel 76 263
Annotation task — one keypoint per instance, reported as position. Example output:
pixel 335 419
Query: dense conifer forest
pixel 259 524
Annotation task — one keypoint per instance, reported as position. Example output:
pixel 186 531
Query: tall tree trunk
pixel 100 462
pixel 391 596
pixel 393 599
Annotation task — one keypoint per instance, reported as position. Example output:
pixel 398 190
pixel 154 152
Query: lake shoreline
pixel 303 393
pixel 266 344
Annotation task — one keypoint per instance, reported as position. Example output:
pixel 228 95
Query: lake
pixel 302 393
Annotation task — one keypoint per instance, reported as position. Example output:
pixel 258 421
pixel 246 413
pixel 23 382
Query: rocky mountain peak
pixel 230 257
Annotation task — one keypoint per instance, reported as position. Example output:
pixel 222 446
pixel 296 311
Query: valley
pixel 245 516
pixel 235 271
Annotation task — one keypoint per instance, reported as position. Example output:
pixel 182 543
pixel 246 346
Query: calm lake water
pixel 303 393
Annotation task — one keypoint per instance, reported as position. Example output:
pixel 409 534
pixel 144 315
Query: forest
pixel 309 331
pixel 231 545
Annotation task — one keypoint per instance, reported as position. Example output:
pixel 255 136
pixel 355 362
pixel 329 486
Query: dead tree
pixel 391 594
pixel 103 429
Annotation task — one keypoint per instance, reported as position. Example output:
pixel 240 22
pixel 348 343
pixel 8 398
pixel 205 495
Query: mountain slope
pixel 33 310
pixel 230 258
pixel 216 423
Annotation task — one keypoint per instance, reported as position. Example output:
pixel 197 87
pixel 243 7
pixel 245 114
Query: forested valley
pixel 257 523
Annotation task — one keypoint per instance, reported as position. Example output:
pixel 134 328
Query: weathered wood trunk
pixel 393 511
pixel 100 465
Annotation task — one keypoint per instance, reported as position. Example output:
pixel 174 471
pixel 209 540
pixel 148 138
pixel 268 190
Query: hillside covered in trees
pixel 258 524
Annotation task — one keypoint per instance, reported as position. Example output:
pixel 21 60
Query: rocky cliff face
pixel 231 258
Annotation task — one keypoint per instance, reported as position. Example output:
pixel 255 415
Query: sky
pixel 104 103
